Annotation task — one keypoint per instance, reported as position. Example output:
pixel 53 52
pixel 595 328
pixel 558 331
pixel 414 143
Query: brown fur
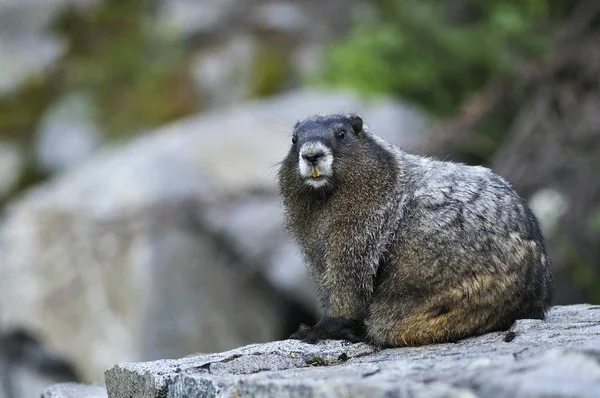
pixel 409 251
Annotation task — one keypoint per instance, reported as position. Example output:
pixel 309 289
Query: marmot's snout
pixel 315 163
pixel 313 158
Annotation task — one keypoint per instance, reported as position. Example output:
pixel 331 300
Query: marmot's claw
pixel 308 335
pixel 351 336
pixel 301 333
pixel 330 329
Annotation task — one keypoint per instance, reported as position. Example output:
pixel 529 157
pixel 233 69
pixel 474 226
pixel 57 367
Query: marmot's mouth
pixel 316 182
pixel 315 175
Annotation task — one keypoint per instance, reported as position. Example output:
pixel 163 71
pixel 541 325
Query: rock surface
pixel 222 76
pixel 27 45
pixel 74 390
pixel 558 357
pixel 67 134
pixel 27 367
pixel 251 48
pixel 171 244
pixel 308 20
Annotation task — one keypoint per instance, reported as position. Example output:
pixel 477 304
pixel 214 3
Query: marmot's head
pixel 320 145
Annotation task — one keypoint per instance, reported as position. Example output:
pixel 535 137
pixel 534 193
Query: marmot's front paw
pixel 302 332
pixel 331 329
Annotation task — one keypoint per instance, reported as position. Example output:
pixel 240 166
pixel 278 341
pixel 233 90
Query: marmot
pixel 405 249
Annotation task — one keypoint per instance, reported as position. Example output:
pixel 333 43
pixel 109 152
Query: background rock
pixel 252 48
pixel 27 366
pixel 557 357
pixel 73 390
pixel 67 134
pixel 195 17
pixel 310 20
pixel 27 47
pixel 223 76
pixel 171 244
pixel 26 57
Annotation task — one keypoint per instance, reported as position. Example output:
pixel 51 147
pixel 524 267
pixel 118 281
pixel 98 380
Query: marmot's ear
pixel 356 122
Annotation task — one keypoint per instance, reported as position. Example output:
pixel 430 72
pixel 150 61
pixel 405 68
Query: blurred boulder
pixel 245 49
pixel 222 75
pixel 26 56
pixel 284 16
pixel 108 264
pixel 201 19
pixel 27 367
pixel 195 17
pixel 27 47
pixel 172 244
pixel 67 134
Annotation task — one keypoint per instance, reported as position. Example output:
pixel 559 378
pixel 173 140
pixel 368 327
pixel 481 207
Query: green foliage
pixel 20 111
pixel 270 70
pixel 584 274
pixel 317 361
pixel 138 76
pixel 596 221
pixel 417 51
pixel 19 114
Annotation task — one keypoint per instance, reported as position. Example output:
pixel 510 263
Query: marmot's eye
pixel 294 140
pixel 341 134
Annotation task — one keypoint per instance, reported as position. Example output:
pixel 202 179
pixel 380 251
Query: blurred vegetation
pixel 20 112
pixel 596 221
pixel 438 53
pixel 136 72
pixel 271 69
pixel 584 274
pixel 138 75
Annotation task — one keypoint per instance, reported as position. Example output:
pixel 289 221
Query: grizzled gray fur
pixel 404 249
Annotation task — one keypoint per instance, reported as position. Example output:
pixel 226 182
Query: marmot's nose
pixel 313 157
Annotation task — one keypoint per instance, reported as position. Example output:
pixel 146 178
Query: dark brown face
pixel 318 144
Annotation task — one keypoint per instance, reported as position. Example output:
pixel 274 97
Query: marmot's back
pixel 469 258
pixel 407 250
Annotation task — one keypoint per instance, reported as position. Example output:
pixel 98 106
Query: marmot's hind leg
pixel 428 327
pixel 477 306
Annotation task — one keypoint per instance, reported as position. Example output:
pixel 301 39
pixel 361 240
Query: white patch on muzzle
pixel 323 165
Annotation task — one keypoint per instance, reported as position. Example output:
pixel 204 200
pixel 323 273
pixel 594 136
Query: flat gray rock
pixel 558 357
pixel 74 390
